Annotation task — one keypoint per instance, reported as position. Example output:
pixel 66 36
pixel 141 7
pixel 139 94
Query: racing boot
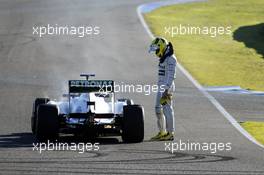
pixel 168 137
pixel 159 135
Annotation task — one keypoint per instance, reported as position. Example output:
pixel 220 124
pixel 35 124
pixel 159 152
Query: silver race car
pixel 89 109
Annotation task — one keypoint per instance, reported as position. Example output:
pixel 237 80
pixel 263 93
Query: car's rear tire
pixel 133 124
pixel 47 123
pixel 37 102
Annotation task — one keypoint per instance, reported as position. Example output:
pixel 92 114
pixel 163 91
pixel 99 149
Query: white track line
pixel 218 106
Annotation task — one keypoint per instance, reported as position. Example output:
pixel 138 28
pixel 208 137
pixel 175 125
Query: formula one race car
pixel 89 109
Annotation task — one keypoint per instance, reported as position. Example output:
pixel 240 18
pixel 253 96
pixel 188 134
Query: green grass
pixel 256 129
pixel 222 60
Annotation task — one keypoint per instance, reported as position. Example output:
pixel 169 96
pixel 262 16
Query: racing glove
pixel 166 98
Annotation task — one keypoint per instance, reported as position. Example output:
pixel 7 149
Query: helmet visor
pixel 153 48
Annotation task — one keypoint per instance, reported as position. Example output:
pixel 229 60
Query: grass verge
pixel 224 60
pixel 256 129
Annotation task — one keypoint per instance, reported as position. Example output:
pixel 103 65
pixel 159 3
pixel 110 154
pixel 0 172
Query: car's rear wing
pixel 87 86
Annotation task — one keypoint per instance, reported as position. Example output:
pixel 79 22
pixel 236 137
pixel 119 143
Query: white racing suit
pixel 167 74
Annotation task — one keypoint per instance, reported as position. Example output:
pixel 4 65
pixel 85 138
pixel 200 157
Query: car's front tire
pixel 133 124
pixel 47 123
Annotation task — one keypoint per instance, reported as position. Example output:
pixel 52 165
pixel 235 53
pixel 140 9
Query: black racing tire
pixel 133 124
pixel 36 103
pixel 47 123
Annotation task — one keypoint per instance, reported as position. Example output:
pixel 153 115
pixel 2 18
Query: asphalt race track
pixel 33 67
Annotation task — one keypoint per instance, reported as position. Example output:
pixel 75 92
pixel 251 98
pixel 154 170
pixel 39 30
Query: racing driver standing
pixel 166 75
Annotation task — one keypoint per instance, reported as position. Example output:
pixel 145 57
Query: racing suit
pixel 166 76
